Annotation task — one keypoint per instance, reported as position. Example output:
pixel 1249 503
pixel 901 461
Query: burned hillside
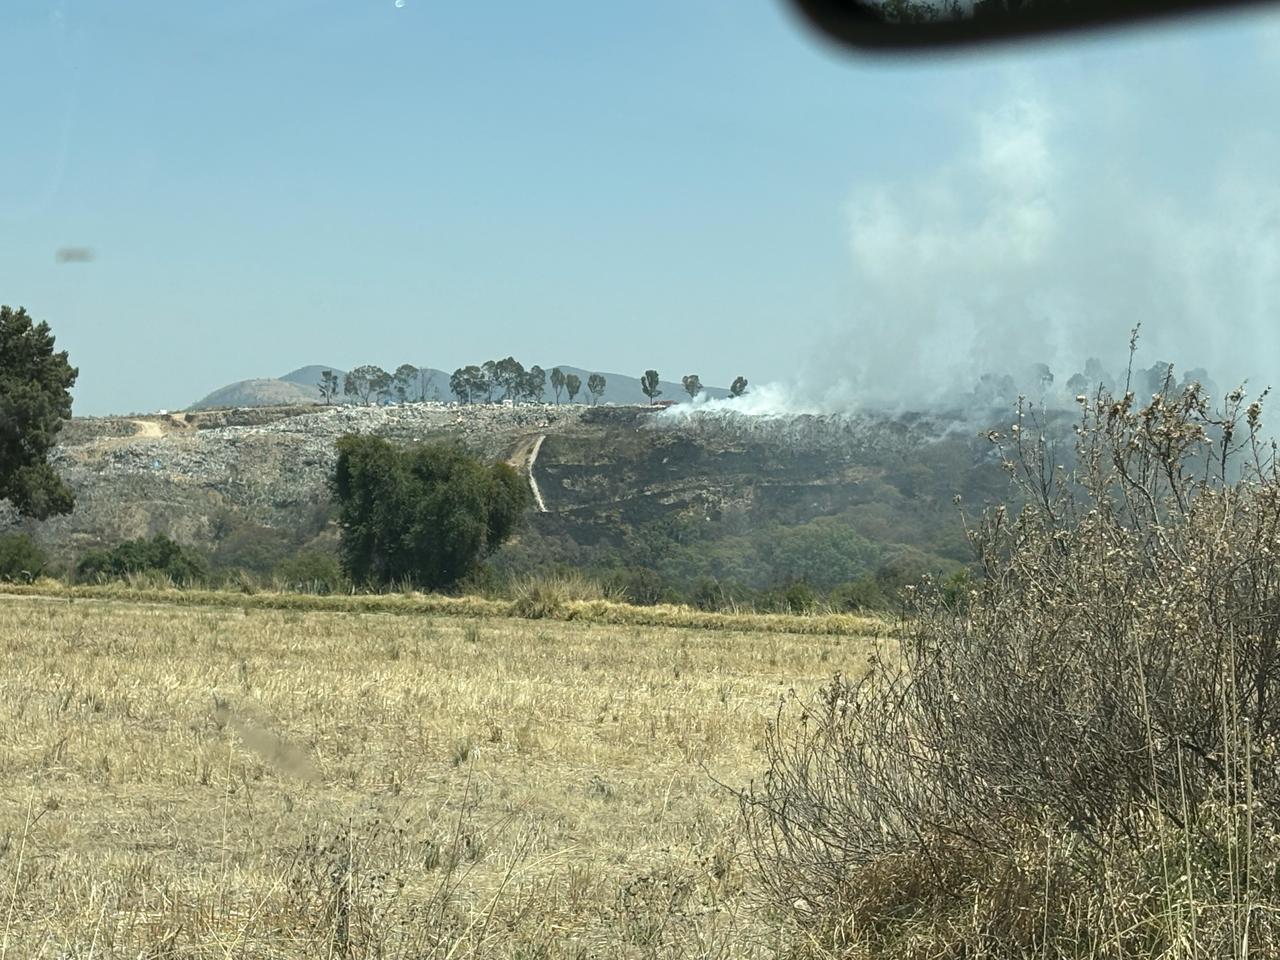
pixel 729 499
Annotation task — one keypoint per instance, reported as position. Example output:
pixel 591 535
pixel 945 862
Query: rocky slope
pixel 183 474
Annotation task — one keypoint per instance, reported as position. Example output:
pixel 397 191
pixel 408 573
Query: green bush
pixel 865 593
pixel 790 597
pixel 311 571
pixel 709 594
pixel 639 585
pixel 800 598
pixel 159 555
pixel 21 560
pixel 258 549
pixel 484 581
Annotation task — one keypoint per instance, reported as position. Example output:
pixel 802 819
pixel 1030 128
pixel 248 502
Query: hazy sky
pixel 695 185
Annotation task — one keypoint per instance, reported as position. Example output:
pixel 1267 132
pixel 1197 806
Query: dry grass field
pixel 222 781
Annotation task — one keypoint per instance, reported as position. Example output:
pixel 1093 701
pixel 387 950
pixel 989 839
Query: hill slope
pixel 258 393
pixel 309 376
pixel 660 504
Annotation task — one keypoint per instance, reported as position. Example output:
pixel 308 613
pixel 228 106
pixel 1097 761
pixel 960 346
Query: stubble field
pixel 214 781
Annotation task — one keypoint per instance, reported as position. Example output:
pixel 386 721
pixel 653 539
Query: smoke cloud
pixel 1037 242
pixel 766 400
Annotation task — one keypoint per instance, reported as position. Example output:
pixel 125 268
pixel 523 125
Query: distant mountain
pixel 310 376
pixel 437 383
pixel 302 386
pixel 258 393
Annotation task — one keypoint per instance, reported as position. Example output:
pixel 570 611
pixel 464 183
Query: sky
pixel 699 187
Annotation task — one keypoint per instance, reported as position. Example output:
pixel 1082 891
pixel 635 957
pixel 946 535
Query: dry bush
pixel 1078 758
pixel 540 596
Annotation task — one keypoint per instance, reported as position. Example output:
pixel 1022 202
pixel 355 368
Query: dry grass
pixel 240 781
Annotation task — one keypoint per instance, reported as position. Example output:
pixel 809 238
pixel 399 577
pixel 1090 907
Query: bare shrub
pixel 1078 758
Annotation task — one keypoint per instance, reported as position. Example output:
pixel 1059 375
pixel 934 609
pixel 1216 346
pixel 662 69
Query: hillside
pixel 662 504
pixel 302 386
pixel 257 393
pixel 309 376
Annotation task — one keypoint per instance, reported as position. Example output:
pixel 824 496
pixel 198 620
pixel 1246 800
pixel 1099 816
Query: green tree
pixel 489 372
pixel 403 380
pixel 329 384
pixel 469 383
pixel 649 385
pixel 558 382
pixel 692 385
pixel 535 382
pixel 738 387
pixel 35 397
pixel 458 384
pixel 424 514
pixel 383 385
pixel 365 382
pixel 509 374
pixel 572 384
pixel 596 384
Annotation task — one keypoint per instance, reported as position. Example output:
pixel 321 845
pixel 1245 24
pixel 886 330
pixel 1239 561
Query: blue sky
pixel 695 186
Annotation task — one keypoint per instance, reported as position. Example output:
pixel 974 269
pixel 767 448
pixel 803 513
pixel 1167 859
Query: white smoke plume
pixel 1030 248
pixel 766 400
pixel 1044 239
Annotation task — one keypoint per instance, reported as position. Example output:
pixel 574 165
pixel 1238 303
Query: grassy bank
pixel 418 604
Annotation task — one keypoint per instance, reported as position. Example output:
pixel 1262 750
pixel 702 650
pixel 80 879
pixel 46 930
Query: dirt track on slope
pixel 523 457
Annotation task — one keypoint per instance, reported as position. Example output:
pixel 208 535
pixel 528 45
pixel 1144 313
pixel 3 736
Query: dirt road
pixel 524 457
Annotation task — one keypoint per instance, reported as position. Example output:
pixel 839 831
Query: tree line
pixel 494 381
pixel 692 383
pixel 507 380
pixel 370 384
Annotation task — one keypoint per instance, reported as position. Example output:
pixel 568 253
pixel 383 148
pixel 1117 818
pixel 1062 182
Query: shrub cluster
pixel 311 571
pixel 21 560
pixel 1078 755
pixel 159 555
